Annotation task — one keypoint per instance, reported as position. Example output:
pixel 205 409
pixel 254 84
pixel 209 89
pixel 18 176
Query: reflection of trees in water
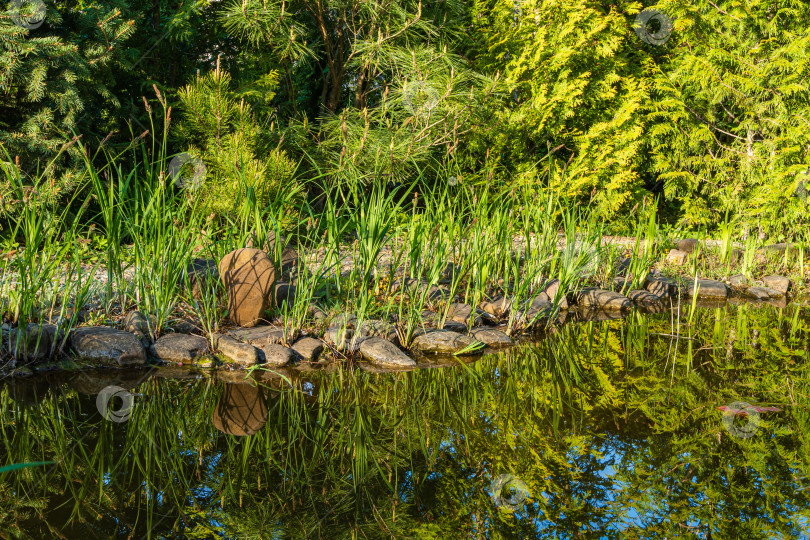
pixel 611 426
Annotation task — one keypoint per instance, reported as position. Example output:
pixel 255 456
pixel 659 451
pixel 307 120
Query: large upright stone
pixel 289 257
pixel 248 275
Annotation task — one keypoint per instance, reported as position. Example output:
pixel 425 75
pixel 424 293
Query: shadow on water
pixel 606 428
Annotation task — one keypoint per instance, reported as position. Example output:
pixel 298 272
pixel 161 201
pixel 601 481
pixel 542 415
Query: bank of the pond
pixel 268 307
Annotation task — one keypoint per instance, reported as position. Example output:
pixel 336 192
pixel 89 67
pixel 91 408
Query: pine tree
pixel 219 127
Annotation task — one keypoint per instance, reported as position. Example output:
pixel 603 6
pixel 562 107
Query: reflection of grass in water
pixel 359 452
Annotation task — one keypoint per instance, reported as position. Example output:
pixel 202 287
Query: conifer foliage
pixel 221 129
pixel 56 82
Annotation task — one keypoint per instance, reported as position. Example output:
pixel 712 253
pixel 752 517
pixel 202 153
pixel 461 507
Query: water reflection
pixel 241 409
pixel 605 428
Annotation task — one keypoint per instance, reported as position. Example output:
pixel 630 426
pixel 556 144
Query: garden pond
pixel 690 425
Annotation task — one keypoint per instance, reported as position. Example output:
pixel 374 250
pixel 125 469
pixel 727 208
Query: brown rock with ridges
pixel 248 275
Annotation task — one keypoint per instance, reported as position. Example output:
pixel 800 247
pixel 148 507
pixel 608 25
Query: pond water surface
pixel 633 428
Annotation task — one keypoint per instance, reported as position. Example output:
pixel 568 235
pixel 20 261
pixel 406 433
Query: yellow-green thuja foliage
pixel 572 93
pixel 220 127
pixel 730 128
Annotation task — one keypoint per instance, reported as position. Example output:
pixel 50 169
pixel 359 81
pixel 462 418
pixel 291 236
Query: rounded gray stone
pixel 276 355
pixel 309 348
pixel 491 337
pixel 243 354
pixel 443 342
pixel 179 347
pixel 383 353
pixel 107 346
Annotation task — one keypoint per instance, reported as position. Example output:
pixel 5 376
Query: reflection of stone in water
pixel 599 315
pixel 241 410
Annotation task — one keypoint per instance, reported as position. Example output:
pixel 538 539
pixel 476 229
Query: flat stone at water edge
pixel 243 354
pixel 781 284
pixel 179 347
pixel 443 342
pixel 491 337
pixel 763 293
pixel 641 298
pixel 707 288
pixel 107 346
pixel 602 299
pixel 384 353
pixel 309 348
pixel 276 355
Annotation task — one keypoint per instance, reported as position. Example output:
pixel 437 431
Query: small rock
pixel 259 336
pixel 107 346
pixel 201 277
pixel 707 288
pixel 688 245
pixel 661 286
pixel 497 307
pixel 737 255
pixel 276 355
pixel 459 312
pixel 384 353
pixel 317 314
pixel 777 283
pixel 378 328
pixel 179 348
pixel 737 280
pixel 136 323
pixel 343 339
pixel 762 293
pixel 454 326
pixel 309 348
pixel 491 337
pixel 621 284
pixel 602 299
pixel 550 288
pixel 33 343
pixel 284 294
pixel 444 342
pixel 677 257
pixel 539 309
pixel 243 354
pixel 623 265
pixel 248 275
pixel 643 298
